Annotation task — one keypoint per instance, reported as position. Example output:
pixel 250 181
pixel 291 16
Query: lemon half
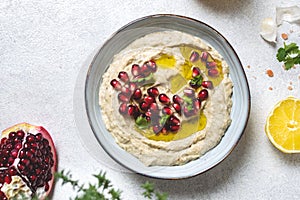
pixel 283 125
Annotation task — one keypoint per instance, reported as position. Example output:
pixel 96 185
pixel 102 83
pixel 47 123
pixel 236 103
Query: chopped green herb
pixel 289 55
pixel 141 122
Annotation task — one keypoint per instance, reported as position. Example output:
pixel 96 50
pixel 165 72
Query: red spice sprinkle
pixel 290 87
pixel 270 88
pixel 284 36
pixel 270 73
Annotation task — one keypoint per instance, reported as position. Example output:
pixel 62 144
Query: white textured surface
pixel 43 45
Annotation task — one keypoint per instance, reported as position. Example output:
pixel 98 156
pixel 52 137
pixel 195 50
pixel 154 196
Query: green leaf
pixel 164 119
pixel 141 122
pixel 281 54
pixel 289 54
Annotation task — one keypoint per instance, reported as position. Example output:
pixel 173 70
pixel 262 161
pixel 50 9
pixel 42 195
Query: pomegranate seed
pixel 132 86
pixel 144 106
pixel 207 84
pixel 20 134
pixel 145 70
pixel 12 171
pixel 12 135
pixel 164 130
pixel 14 153
pixel 18 145
pixel 135 70
pixel 149 99
pixel 194 56
pixel 187 112
pixel 153 91
pixel 133 110
pixel 196 105
pixel 123 97
pixel 196 71
pixel 167 110
pixel 211 65
pixel 177 99
pixel 148 113
pixel 153 107
pixel 177 107
pixel 163 98
pixel 174 128
pixel 213 72
pixel 204 56
pixel 123 109
pixel 203 95
pixel 189 92
pixel 126 90
pixel 151 65
pixel 116 84
pixel 174 120
pixel 123 76
pixel 137 94
pixel 156 129
pixel 7 179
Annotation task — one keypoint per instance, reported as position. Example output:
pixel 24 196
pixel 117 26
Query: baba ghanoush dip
pixel 166 98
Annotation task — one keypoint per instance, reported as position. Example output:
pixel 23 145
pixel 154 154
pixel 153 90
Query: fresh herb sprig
pixel 289 54
pixel 104 190
pixel 151 193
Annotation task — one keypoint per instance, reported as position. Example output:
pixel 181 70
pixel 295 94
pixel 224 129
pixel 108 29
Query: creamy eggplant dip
pixel 166 98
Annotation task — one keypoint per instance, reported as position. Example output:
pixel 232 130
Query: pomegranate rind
pixel 29 128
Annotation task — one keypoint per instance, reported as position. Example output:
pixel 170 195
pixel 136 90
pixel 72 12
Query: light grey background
pixel 44 48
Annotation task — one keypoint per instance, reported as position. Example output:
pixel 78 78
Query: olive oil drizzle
pixel 179 81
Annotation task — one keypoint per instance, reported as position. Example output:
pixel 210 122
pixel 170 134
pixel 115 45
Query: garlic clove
pixel 268 30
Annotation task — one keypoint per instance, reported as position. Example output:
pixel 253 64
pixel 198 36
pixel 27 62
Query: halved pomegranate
pixel 28 162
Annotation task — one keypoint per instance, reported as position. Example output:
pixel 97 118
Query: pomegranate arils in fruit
pixel 116 84
pixel 213 72
pixel 207 84
pixel 164 99
pixel 31 150
pixel 196 71
pixel 123 76
pixel 135 70
pixel 203 95
pixel 194 56
pixel 153 91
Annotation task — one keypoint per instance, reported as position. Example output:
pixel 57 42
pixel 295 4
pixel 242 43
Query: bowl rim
pixel 178 17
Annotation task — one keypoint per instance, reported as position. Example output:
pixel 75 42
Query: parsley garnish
pixel 289 54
